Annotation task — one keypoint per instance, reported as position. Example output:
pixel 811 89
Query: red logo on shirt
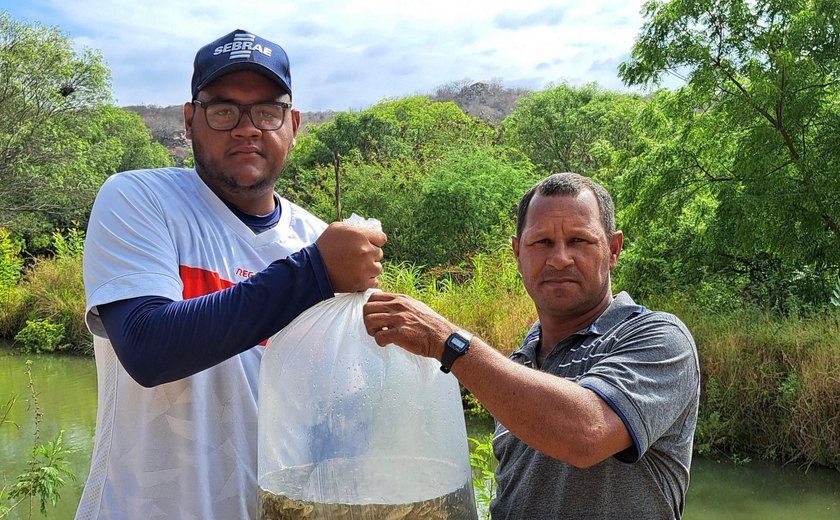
pixel 244 273
pixel 198 282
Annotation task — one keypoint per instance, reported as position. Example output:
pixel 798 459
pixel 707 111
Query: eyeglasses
pixel 224 115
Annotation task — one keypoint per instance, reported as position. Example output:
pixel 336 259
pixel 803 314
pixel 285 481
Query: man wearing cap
pixel 187 273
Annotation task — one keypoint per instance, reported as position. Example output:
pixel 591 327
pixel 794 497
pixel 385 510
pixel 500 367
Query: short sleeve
pixel 649 379
pixel 128 250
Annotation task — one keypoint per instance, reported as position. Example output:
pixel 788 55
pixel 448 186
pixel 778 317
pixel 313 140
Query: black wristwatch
pixel 457 344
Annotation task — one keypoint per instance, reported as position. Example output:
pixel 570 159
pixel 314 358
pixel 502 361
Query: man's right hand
pixel 352 256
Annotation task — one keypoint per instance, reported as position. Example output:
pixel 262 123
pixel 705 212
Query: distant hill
pixel 490 102
pixel 167 127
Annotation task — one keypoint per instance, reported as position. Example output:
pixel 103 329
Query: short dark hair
pixel 568 183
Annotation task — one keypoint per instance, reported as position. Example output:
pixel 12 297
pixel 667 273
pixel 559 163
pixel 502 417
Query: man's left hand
pixel 409 323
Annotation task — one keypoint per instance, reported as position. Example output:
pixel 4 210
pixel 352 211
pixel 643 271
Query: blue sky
pixel 348 55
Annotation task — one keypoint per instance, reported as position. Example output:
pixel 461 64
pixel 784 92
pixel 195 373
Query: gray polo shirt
pixel 644 365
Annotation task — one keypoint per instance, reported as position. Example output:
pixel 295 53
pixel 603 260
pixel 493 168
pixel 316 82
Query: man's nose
pixel 245 126
pixel 559 256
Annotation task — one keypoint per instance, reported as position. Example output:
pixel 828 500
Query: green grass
pixel 51 289
pixel 770 384
pixel 485 297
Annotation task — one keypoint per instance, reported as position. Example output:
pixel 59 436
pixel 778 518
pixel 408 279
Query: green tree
pixel 365 134
pixel 398 137
pixel 59 136
pixel 747 147
pixel 426 170
pixel 567 128
pixel 127 139
pixel 428 129
pixel 468 205
pixel 45 86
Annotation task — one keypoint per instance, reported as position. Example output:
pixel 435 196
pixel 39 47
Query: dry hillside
pixel 490 102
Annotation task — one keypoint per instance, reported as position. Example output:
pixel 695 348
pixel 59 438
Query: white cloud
pixel 351 54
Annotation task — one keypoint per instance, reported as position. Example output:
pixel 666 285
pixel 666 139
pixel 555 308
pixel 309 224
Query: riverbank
pixel 770 385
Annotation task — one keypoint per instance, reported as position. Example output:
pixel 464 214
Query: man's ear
pixel 295 125
pixel 189 112
pixel 615 248
pixel 514 243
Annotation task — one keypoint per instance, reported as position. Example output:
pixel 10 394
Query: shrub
pixel 10 262
pixel 12 310
pixel 769 383
pixel 53 289
pixel 42 336
pixel 484 296
pixel 483 463
pixel 48 467
pixel 69 244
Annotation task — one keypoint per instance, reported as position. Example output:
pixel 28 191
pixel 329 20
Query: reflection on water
pixel 723 491
pixel 66 393
pixel 67 396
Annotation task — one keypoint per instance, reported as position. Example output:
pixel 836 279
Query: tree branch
pixel 777 123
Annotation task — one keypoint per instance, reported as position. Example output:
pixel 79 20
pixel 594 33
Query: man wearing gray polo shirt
pixel 595 413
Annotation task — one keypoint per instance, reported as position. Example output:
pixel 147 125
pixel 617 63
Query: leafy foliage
pixel 60 138
pixel 468 206
pixel 70 244
pixel 10 262
pixel 48 468
pixel 483 463
pixel 48 306
pixel 472 406
pixel 835 294
pixel 573 129
pixel 49 471
pixel 425 169
pixel 42 336
pixel 768 383
pixel 46 87
pixel 738 164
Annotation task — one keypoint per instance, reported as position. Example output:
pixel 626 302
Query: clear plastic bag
pixel 348 429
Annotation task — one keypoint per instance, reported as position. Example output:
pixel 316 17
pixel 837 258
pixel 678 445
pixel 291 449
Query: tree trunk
pixel 337 166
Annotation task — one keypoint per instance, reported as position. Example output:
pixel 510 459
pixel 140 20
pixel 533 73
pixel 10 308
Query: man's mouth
pixel 246 150
pixel 558 280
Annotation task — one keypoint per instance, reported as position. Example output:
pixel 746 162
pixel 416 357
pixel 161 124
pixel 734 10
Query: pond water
pixel 66 394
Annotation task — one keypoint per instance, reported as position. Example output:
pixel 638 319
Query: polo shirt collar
pixel 621 308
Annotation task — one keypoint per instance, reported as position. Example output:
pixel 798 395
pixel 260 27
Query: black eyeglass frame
pixel 242 110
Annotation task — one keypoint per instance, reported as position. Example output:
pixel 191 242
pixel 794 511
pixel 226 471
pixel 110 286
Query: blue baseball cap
pixel 241 50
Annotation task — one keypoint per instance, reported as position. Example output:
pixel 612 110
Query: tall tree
pixel 468 205
pixel 428 171
pixel 364 133
pixel 44 86
pixel 751 136
pixel 59 136
pixel 568 128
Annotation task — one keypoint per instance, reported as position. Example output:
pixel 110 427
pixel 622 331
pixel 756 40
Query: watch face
pixel 458 343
